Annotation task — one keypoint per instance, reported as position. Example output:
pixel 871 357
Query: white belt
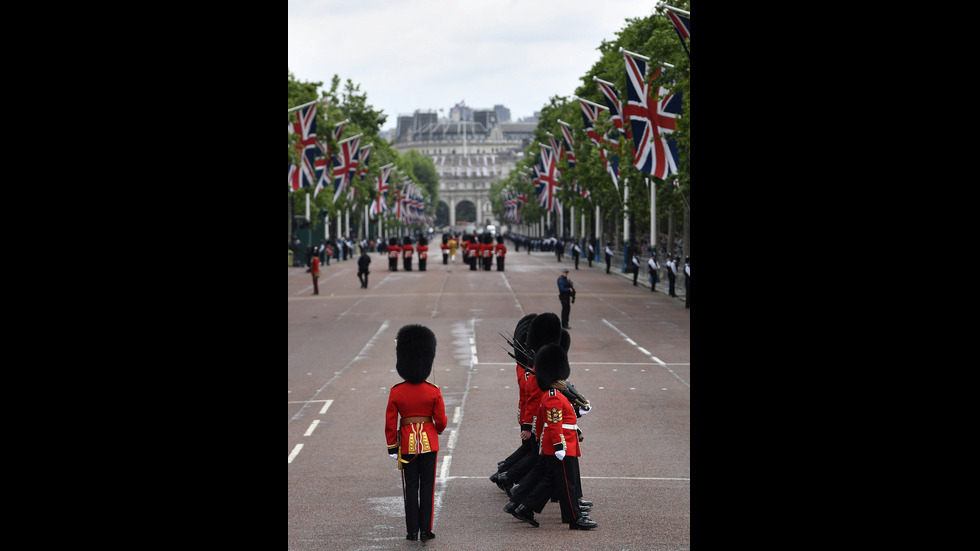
pixel 566 426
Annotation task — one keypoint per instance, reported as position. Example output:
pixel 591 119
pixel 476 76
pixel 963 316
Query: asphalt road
pixel 629 355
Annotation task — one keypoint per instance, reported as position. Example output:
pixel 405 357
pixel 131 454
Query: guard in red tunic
pixel 407 252
pixel 500 251
pixel 473 248
pixel 517 464
pixel 394 251
pixel 414 419
pixel 445 248
pixel 559 443
pixel 486 251
pixel 423 249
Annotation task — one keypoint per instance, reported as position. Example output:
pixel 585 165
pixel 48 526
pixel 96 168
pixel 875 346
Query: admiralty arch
pixel 468 156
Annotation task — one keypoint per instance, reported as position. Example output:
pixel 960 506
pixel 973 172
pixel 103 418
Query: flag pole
pixel 291 109
pixel 662 5
pixel 593 104
pixel 634 54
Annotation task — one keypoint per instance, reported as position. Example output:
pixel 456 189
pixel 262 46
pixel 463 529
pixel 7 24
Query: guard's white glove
pixel 560 454
pixel 583 412
pixel 393 455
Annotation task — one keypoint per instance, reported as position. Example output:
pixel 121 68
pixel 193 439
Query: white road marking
pixel 652 357
pixel 313 425
pixel 292 454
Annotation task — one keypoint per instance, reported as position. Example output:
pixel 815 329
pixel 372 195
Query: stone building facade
pixel 470 150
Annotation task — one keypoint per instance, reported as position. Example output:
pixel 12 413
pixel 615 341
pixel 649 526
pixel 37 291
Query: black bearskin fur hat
pixel 392 240
pixel 445 238
pixel 566 340
pixel 520 335
pixel 500 239
pixel 544 329
pixel 550 365
pixel 423 241
pixel 414 351
pixel 487 239
pixel 407 240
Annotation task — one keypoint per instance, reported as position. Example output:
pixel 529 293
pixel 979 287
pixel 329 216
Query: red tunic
pixel 522 377
pixel 415 400
pixel 473 249
pixel 532 398
pixel 560 425
pixel 394 251
pixel 487 249
pixel 423 251
pixel 407 251
pixel 500 249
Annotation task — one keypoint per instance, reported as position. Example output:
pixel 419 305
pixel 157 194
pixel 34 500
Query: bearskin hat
pixel 423 241
pixel 407 240
pixel 445 238
pixel 566 340
pixel 415 348
pixel 544 329
pixel 500 239
pixel 550 365
pixel 520 336
pixel 392 241
pixel 487 239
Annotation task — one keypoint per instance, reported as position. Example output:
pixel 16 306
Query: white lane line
pixel 654 358
pixel 446 461
pixel 459 330
pixel 325 406
pixel 295 451
pixel 313 425
pixel 337 374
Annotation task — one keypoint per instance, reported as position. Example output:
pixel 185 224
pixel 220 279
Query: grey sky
pixel 432 54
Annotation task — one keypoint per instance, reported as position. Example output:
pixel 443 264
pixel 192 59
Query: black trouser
pixel 557 475
pixel 422 264
pixel 408 263
pixel 575 256
pixel 566 306
pixel 670 280
pixel 363 276
pixel 500 263
pixel 608 262
pixel 528 448
pixel 392 264
pixel 445 258
pixel 687 292
pixel 636 272
pixel 420 481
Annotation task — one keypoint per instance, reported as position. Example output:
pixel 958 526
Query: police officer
pixel 565 291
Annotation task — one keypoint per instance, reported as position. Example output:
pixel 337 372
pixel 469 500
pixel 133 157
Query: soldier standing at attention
pixel 423 249
pixel 394 251
pixel 501 251
pixel 407 252
pixel 414 419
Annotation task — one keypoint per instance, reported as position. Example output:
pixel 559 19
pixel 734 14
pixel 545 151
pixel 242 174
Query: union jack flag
pixel 615 106
pixel 548 177
pixel 365 153
pixel 344 165
pixel 305 128
pixel 590 113
pixel 650 121
pixel 380 203
pixel 683 27
pixel 566 133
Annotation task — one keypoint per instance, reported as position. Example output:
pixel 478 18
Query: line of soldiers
pixel 546 465
pixel 478 252
pixel 405 252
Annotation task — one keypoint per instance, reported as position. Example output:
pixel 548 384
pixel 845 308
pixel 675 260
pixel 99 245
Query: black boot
pixel 525 514
pixel 427 536
pixel 583 523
